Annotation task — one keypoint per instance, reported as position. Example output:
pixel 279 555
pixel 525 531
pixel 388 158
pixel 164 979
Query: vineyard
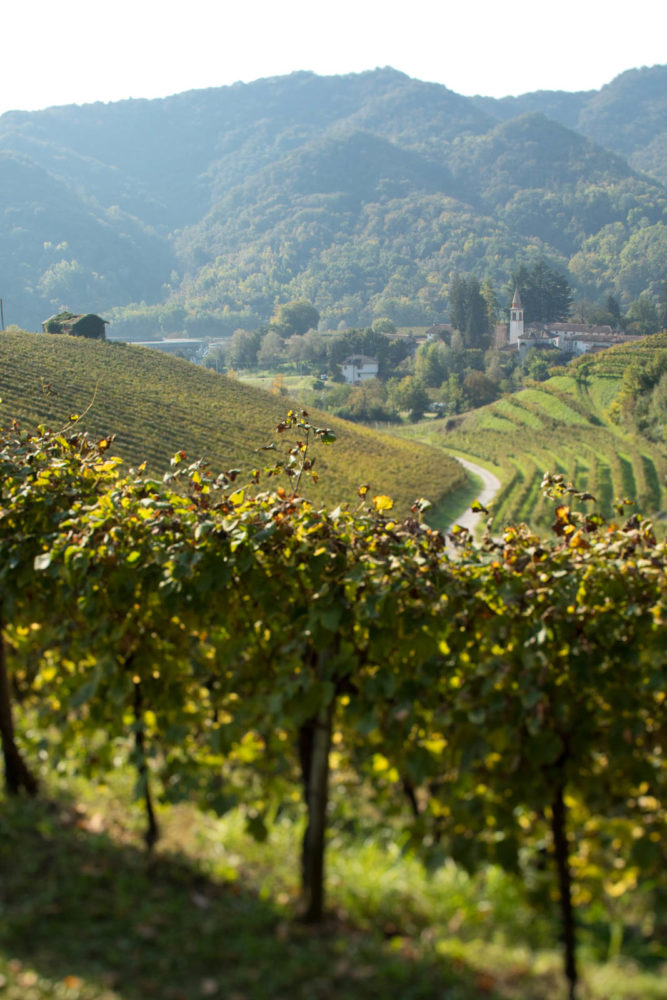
pixel 572 424
pixel 157 405
pixel 243 650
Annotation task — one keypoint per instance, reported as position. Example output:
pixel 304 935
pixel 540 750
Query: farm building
pixel 76 325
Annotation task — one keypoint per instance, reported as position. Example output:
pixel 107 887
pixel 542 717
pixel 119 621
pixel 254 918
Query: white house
pixel 359 368
pixel 581 338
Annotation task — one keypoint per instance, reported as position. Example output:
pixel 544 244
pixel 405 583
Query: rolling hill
pixel 363 193
pixel 582 423
pixel 157 405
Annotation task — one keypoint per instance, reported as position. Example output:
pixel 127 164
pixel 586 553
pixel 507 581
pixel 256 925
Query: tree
pixel 642 316
pixel 451 394
pixel 243 348
pixel 216 357
pixel 271 350
pixel 477 320
pixel 479 389
pixel 492 303
pixel 383 325
pixel 535 365
pixel 545 294
pixel 366 403
pixel 613 308
pixel 457 303
pixel 409 394
pixel 431 363
pixel 662 307
pixel 295 317
pixel 469 310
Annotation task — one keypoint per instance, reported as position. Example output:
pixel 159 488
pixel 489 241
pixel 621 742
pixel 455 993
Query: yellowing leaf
pixel 380 763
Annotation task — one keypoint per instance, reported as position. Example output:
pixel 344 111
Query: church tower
pixel 516 318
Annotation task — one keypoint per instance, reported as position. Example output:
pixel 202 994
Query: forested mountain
pixel 364 194
pixel 628 115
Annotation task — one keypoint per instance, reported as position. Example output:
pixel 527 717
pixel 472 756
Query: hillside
pixel 363 193
pixel 157 405
pixel 579 423
pixel 628 115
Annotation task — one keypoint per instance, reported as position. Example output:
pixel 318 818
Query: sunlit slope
pixel 574 424
pixel 157 405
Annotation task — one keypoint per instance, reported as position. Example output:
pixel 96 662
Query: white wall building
pixel 359 368
pixel 580 338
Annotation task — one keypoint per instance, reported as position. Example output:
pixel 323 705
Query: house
pixel 359 368
pixel 581 338
pixel 76 325
pixel 533 337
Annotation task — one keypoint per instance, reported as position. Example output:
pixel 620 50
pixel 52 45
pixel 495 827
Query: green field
pixel 157 405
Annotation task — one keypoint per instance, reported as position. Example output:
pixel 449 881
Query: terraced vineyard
pixel 157 405
pixel 567 425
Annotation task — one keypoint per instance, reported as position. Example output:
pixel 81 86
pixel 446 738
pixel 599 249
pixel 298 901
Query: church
pixel 569 337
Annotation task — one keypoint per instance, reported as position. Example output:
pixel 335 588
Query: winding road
pixel 490 486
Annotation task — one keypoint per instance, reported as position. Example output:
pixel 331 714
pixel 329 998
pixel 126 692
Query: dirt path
pixel 490 486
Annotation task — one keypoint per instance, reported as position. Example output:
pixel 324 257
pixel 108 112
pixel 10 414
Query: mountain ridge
pixel 228 200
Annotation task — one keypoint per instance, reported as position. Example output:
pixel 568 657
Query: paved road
pixel 490 486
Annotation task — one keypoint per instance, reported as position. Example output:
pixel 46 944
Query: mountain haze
pixel 628 115
pixel 363 193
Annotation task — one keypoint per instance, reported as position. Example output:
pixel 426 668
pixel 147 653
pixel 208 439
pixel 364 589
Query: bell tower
pixel 516 318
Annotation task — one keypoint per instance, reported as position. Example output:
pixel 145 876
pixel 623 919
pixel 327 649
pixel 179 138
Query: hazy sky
pixel 78 51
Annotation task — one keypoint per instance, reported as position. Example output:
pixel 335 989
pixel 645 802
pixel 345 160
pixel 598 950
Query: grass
pixel 553 405
pixel 86 916
pixel 157 405
pixel 293 385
